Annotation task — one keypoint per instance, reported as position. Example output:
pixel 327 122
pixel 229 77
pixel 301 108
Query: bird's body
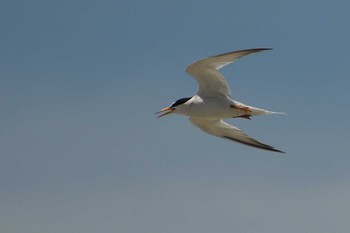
pixel 209 107
pixel 217 108
pixel 213 101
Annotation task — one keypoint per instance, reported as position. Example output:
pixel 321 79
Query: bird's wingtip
pixel 263 49
pixel 279 151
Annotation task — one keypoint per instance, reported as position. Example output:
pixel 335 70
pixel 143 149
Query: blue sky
pixel 81 149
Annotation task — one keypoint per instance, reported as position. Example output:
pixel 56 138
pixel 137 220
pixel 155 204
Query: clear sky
pixel 82 151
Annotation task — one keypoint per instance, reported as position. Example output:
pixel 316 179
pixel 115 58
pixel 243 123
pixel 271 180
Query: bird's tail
pixel 259 111
pixel 253 111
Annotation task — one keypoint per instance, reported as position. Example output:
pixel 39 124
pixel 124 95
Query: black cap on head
pixel 180 101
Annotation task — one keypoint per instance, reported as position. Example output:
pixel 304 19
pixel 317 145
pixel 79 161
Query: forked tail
pixel 259 111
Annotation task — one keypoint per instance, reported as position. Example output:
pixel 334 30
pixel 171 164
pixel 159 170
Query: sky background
pixel 81 150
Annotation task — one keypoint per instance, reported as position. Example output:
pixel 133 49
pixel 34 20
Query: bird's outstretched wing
pixel 205 71
pixel 221 129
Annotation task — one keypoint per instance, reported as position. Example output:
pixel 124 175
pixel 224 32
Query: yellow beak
pixel 166 111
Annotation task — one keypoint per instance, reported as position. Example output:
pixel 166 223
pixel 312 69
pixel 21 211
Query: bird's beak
pixel 165 111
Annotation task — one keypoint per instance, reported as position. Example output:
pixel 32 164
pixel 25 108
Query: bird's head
pixel 174 107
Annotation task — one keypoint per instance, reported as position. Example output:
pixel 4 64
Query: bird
pixel 213 102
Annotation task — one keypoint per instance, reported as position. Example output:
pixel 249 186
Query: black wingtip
pixel 255 50
pixel 272 149
pixel 259 145
pixel 279 151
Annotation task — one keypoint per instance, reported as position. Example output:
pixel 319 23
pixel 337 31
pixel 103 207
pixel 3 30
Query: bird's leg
pixel 243 108
pixel 244 116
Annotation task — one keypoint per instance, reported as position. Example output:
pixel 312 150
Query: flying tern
pixel 213 101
